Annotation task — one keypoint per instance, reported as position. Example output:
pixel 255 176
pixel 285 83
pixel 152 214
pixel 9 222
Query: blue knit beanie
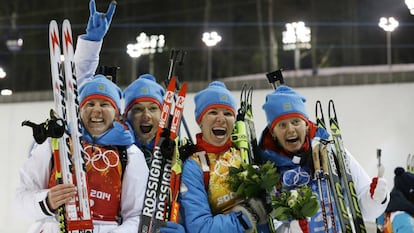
pixel 144 88
pixel 216 95
pixel 101 88
pixel 284 103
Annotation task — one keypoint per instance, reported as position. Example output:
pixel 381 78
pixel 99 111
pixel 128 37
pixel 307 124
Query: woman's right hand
pixel 59 195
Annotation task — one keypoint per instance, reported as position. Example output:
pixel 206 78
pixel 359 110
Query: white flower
pixel 293 198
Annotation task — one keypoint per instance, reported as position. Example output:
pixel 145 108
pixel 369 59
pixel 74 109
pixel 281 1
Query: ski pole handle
pixel 381 168
pixel 315 158
pixel 275 78
pixel 324 160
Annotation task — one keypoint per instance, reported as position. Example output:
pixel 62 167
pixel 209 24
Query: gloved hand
pixel 245 214
pixel 172 227
pixel 258 207
pixel 98 24
pixel 167 146
pixel 254 210
pixel 378 189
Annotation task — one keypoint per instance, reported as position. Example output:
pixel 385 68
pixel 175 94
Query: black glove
pixel 167 146
pixel 186 149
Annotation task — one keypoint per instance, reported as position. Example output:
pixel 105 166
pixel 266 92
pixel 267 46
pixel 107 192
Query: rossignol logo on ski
pixel 152 185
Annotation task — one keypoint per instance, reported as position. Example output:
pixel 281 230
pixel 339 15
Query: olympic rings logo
pixel 101 161
pixel 295 177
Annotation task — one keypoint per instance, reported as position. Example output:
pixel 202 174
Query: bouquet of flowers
pixel 254 181
pixel 297 203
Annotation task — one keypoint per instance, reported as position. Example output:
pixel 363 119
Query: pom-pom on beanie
pixel 144 88
pixel 284 103
pixel 101 88
pixel 404 182
pixel 216 95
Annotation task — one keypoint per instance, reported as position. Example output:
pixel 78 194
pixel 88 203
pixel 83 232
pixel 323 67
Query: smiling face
pixel 217 125
pixel 97 116
pixel 145 117
pixel 290 133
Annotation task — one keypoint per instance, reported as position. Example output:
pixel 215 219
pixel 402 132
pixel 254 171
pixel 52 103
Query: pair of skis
pixel 74 216
pixel 244 134
pixel 160 202
pixel 336 170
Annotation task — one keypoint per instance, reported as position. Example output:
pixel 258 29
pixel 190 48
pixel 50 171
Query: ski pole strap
pixel 205 167
pixel 316 160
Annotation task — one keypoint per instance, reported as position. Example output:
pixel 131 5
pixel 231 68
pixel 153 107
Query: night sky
pixel 345 33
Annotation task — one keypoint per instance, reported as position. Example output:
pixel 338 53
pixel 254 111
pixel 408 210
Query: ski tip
pixel 66 21
pixel 184 86
pixel 53 35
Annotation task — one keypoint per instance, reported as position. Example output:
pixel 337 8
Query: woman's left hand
pixel 172 227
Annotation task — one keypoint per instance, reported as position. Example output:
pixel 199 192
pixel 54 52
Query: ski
pixel 251 130
pixel 173 205
pixel 410 163
pixel 159 193
pixel 346 176
pixel 73 216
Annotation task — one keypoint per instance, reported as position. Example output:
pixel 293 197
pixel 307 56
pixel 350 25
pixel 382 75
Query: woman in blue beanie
pixel 287 141
pixel 110 184
pixel 143 101
pixel 142 98
pixel 208 204
pixel 399 215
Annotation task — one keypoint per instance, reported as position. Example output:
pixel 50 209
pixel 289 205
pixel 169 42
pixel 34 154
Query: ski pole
pixel 316 145
pixel 250 124
pixel 171 72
